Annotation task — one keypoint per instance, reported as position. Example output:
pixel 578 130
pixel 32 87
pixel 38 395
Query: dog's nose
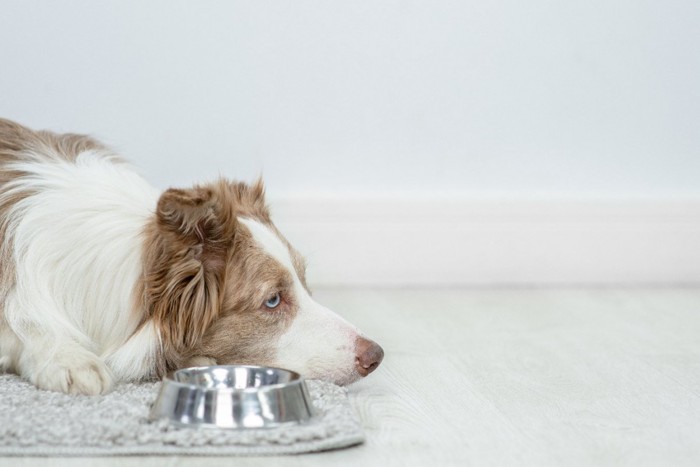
pixel 368 356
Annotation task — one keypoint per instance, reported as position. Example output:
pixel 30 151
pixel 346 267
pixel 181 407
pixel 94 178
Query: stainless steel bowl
pixel 233 396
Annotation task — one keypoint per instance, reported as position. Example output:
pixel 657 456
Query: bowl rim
pixel 297 380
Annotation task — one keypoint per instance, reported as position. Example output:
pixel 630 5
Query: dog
pixel 104 279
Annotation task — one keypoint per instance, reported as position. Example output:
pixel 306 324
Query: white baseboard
pixel 440 243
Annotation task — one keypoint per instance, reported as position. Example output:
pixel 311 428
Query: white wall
pixel 470 101
pixel 472 98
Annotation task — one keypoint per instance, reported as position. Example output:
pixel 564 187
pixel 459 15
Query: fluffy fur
pixel 103 278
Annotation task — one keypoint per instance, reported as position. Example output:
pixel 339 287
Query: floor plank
pixel 513 377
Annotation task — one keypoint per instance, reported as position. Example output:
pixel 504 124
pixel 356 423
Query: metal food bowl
pixel 233 396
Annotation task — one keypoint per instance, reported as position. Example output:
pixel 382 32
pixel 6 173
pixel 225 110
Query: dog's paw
pixel 75 373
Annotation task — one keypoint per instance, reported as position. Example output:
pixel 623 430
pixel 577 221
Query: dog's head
pixel 222 282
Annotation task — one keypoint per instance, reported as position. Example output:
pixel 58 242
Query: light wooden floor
pixel 513 377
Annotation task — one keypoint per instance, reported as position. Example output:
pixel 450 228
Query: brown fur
pixel 204 285
pixel 16 139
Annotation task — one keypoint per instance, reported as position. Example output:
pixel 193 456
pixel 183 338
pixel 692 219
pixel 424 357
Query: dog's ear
pixel 186 263
pixel 258 190
pixel 198 218
pixel 182 210
pixel 250 199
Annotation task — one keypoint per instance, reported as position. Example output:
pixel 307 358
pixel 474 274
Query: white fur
pixel 319 343
pixel 70 321
pixel 77 252
pixel 135 359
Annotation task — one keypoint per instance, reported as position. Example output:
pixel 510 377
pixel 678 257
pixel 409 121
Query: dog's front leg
pixel 52 359
pixel 62 365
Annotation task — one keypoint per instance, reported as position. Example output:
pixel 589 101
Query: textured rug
pixel 43 423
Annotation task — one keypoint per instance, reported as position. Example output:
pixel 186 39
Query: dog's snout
pixel 368 356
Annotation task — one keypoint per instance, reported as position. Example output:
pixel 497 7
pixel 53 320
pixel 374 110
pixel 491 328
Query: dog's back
pixel 16 139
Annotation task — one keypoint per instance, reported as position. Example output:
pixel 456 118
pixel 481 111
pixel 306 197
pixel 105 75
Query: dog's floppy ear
pixel 186 262
pixel 182 210
pixel 198 218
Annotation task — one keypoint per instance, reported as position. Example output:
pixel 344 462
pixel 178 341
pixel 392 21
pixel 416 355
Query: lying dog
pixel 104 279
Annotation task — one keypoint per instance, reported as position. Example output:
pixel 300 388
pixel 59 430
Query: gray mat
pixel 42 423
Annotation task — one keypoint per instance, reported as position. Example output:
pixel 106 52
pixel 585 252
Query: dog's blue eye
pixel 274 301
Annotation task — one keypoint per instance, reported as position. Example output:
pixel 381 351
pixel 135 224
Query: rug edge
pixel 328 444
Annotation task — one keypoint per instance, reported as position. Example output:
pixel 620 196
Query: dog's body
pixel 103 278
